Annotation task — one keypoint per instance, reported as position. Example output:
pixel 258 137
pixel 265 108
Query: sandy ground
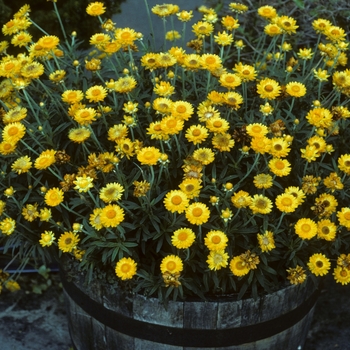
pixel 30 321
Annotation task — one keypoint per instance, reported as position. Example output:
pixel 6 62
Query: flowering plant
pixel 216 169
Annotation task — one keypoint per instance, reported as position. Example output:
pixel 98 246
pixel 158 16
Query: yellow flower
pixel 272 29
pixel 191 187
pixel 321 74
pixel 320 25
pixel 260 204
pixel 268 88
pixel 286 203
pixel 204 155
pixel 223 38
pixel 30 212
pixel 164 89
pixel 266 241
pixel 305 54
pixel 267 11
pixel 150 60
pixel 344 163
pixel 326 230
pixel 48 42
pixel 47 239
pixel 280 167
pixel 125 36
pixel 201 29
pixel 32 70
pixel 111 192
pixel 79 135
pixel 12 286
pixel 223 142
pixel 215 240
pixel 217 259
pixel 125 84
pixel 45 159
pixel 241 199
pixel 296 275
pixel 172 35
pixel 2 207
pixel 7 226
pixel 217 125
pixel 245 72
pixel 261 144
pixel 288 24
pixel 335 33
pixel 196 134
pixel 112 215
pixel 83 183
pixel 162 105
pixel 305 228
pixel 85 116
pixel 296 192
pixel 165 10
pixel 45 214
pixel 344 217
pixel 341 275
pixel 183 238
pixel 197 213
pixel 295 89
pixel 176 201
pixel 238 267
pixel 172 264
pixel 21 39
pixel 95 219
pixel 184 16
pixel 263 181
pixel 126 268
pixel 72 96
pixel 256 130
pixel 68 241
pixel 230 80
pixel 21 165
pixel 96 93
pixel 148 155
pixel 13 132
pixel 319 264
pixel 182 110
pixel 95 9
pixel 54 196
pixel 171 125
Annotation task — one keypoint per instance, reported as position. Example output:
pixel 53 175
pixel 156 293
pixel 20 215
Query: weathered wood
pixel 90 333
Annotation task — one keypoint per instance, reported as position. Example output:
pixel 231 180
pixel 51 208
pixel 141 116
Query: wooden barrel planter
pixel 103 318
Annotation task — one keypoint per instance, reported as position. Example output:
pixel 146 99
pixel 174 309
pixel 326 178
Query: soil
pixel 34 318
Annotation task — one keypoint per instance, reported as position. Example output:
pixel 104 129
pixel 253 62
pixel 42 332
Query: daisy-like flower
pixel 261 144
pixel 96 93
pixel 288 24
pixel 197 213
pixel 320 25
pixel 7 226
pixel 183 238
pixel 230 80
pixel 165 59
pixel 32 70
pixel 238 266
pixel 260 204
pixel 83 183
pixel 47 238
pixel 191 187
pixel 2 206
pixel 223 38
pixel 45 214
pixel 95 9
pixel 54 196
pixel 325 205
pixel 176 201
pixel 267 12
pixel 223 142
pixel 125 36
pixel 164 89
pixel 14 114
pixel 165 10
pixel 162 105
pixel 172 35
pixel 286 203
pixel 201 28
pixel 217 125
pixel 72 96
pixel 21 165
pixel 319 264
pixel 266 241
pixel 112 215
pixel 68 241
pixel 256 130
pixel 268 88
pixel 344 163
pixel 172 264
pixel 296 192
pixel 241 199
pixel 117 132
pixel 95 219
pixel 280 167
pixel 85 116
pixel 45 159
pixel 232 99
pixel 305 228
pixel 296 275
pixel 263 181
pixel 229 22
pixel 272 29
pixel 126 268
pixel 305 53
pixel 30 212
pixel 326 230
pixel 321 74
pixel 21 39
pixel 171 125
pixel 344 217
pixel 210 61
pixel 182 110
pixel 79 135
pixel 125 84
pixel 148 155
pixel 279 147
pixel 204 155
pixel 245 72
pixel 217 259
pixel 111 192
pixel 296 89
pixel 216 240
pixel 184 16
pixel 196 134
pixel 341 275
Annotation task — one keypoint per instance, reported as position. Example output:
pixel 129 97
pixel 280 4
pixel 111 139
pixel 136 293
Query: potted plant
pixel 217 171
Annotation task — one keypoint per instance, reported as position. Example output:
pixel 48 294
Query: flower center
pixel 216 239
pixel 268 88
pixel 125 268
pixel 246 72
pixel 210 60
pixel 279 165
pixel 306 227
pixel 96 92
pixel 182 236
pixel 347 215
pixel 171 123
pixel 176 200
pixel 181 109
pixel 111 214
pixel 13 131
pixel 295 88
pixel 68 241
pixel 319 264
pixel 125 35
pixel 217 124
pixel 196 132
pixel 197 212
pixel 148 155
pixel 343 273
pixel 287 202
pixel 189 188
pixel 325 230
pixel 171 265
